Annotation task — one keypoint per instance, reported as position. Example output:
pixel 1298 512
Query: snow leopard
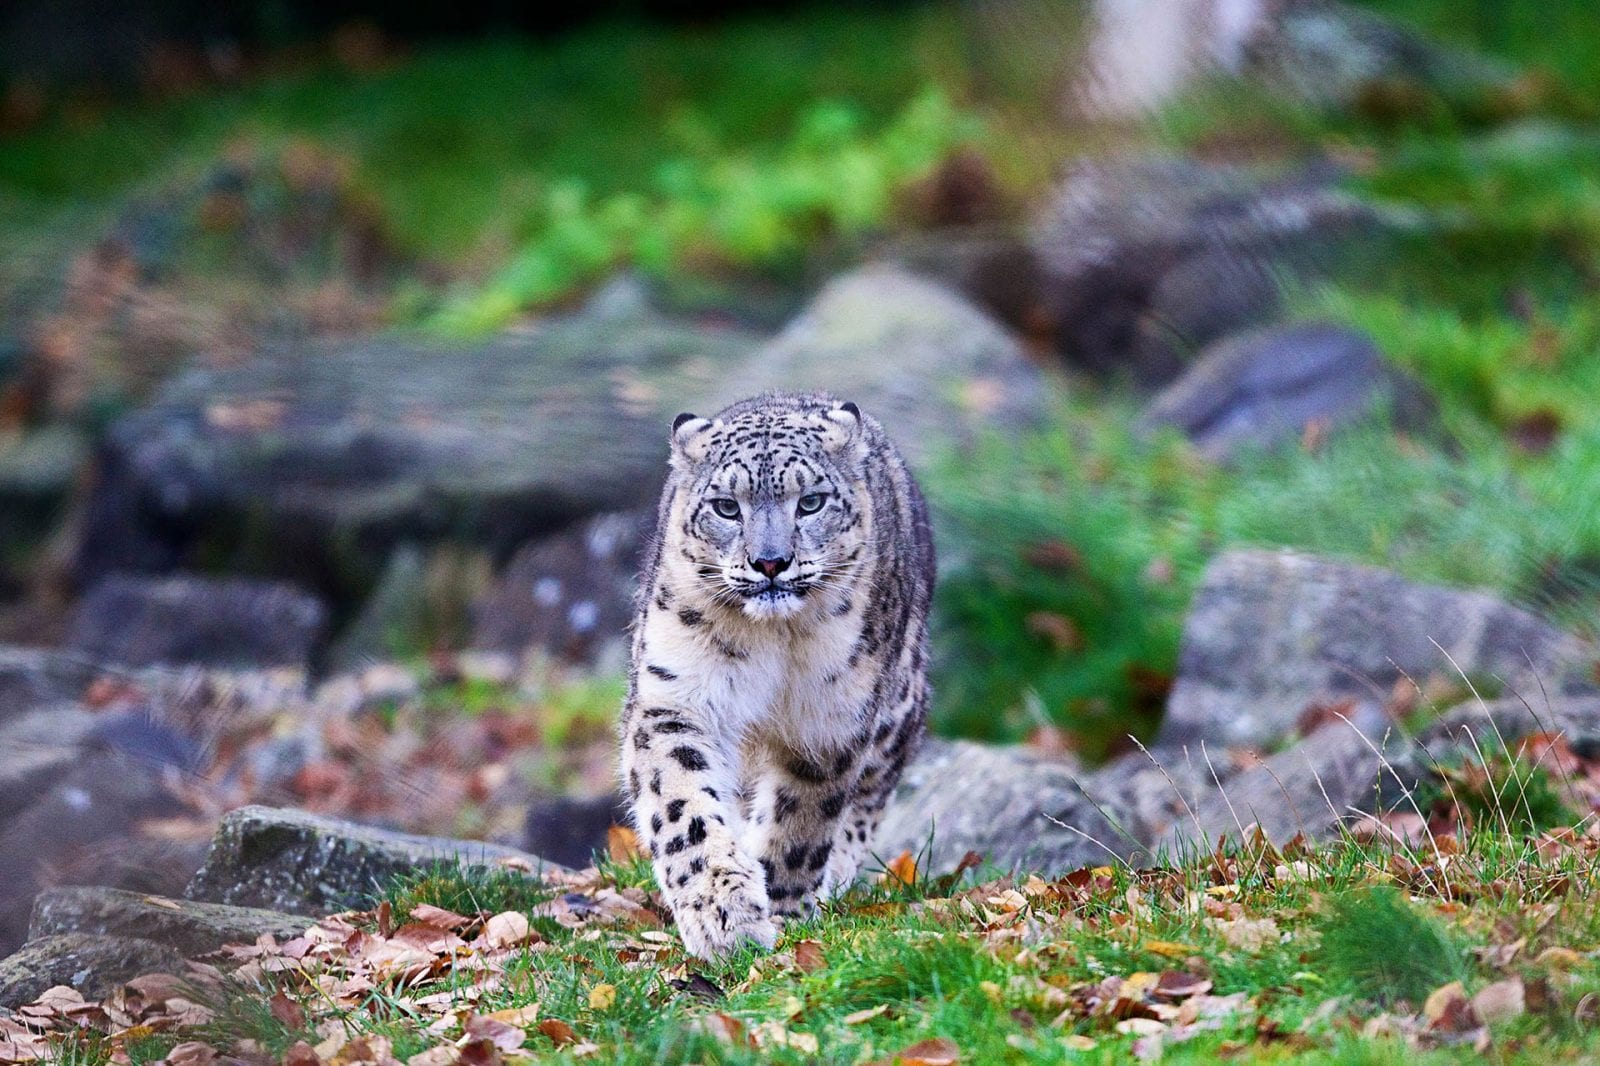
pixel 779 658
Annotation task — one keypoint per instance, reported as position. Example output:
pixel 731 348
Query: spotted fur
pixel 779 661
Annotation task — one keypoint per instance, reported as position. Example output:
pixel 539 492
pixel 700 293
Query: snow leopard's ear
pixel 691 439
pixel 841 427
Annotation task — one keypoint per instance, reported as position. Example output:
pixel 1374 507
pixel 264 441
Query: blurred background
pixel 339 342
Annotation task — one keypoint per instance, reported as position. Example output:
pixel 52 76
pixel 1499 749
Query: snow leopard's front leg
pixel 682 787
pixel 804 798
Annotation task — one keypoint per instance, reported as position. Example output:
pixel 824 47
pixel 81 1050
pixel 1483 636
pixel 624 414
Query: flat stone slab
pixel 298 863
pixel 93 965
pixel 189 927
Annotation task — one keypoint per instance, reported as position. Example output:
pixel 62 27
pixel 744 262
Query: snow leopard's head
pixel 773 502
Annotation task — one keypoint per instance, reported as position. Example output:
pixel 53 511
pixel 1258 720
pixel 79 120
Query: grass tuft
pixel 1381 947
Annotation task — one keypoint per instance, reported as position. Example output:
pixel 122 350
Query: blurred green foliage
pixel 724 206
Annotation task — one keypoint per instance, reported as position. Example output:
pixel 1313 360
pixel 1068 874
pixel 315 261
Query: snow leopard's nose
pixel 772 567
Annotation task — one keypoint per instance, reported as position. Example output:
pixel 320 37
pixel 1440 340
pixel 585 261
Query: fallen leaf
pixel 506 930
pixel 428 914
pixel 1448 1010
pixel 602 997
pixel 622 844
pixel 1175 984
pixel 726 1029
pixel 440 1055
pixel 558 1031
pixel 809 957
pixel 1249 935
pixel 902 869
pixel 1560 958
pixel 939 1051
pixel 303 1054
pixel 287 1011
pixel 1500 1002
pixel 164 902
pixel 1079 1042
pixel 192 1053
pixel 1170 949
pixel 861 1016
pixel 507 1038
pixel 520 1016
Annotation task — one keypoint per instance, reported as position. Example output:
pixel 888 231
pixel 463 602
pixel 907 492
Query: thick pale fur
pixel 769 715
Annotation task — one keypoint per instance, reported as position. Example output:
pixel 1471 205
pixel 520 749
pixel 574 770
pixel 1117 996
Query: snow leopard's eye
pixel 725 508
pixel 810 503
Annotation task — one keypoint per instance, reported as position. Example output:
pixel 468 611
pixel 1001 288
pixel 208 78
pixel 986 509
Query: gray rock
pixel 189 620
pixel 569 594
pixel 93 965
pixel 1265 387
pixel 101 796
pixel 1147 258
pixel 1338 55
pixel 1146 794
pixel 934 369
pixel 320 459
pixel 36 748
pixel 32 679
pixel 1493 726
pixel 1009 806
pixel 300 863
pixel 188 927
pixel 1330 778
pixel 1201 298
pixel 1272 635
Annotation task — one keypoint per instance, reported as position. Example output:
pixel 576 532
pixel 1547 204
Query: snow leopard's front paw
pixel 722 909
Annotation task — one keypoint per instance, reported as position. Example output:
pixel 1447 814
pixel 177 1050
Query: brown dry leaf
pixel 164 902
pixel 861 1016
pixel 192 1053
pixel 809 957
pixel 479 1052
pixel 287 1011
pixel 1249 935
pixel 428 914
pixel 623 845
pixel 558 1030
pixel 1175 984
pixel 301 1054
pixel 726 1029
pixel 776 1034
pixel 1502 1001
pixel 439 1055
pixel 902 869
pixel 1560 958
pixel 939 1051
pixel 520 1016
pixel 1448 1010
pixel 507 929
pixel 1141 1026
pixel 507 1038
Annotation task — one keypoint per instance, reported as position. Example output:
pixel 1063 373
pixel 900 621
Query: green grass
pixel 1313 944
pixel 461 141
pixel 1490 305
pixel 464 890
pixel 1377 945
